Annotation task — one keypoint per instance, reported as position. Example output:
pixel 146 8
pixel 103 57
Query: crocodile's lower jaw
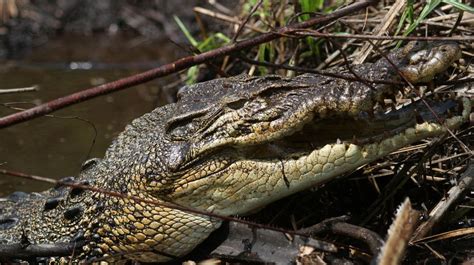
pixel 268 180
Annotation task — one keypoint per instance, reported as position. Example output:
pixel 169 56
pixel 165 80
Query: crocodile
pixel 229 146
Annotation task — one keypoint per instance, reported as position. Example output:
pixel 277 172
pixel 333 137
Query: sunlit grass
pixel 428 9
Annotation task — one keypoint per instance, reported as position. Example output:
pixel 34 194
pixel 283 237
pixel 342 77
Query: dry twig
pixel 380 30
pixel 19 90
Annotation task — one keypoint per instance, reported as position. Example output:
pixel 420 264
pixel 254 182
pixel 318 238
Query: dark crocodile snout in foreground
pixel 227 146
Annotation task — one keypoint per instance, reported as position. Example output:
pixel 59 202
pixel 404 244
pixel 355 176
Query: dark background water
pixel 56 146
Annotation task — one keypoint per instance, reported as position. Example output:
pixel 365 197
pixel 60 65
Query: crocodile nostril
pixel 8 222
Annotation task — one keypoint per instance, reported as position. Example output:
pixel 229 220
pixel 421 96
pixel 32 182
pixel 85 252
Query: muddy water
pixel 56 146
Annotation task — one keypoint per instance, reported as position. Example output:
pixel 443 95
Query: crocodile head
pixel 246 141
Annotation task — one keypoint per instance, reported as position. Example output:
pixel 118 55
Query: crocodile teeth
pixel 314 168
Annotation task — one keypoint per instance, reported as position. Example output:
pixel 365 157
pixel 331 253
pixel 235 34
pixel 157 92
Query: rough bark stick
pixel 167 69
pixel 439 211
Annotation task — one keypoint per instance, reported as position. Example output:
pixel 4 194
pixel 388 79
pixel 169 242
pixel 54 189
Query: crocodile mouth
pixel 311 154
pixel 364 128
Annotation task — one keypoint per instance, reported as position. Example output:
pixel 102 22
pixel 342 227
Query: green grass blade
pixel 429 7
pixel 460 5
pixel 403 18
pixel 309 6
pixel 185 31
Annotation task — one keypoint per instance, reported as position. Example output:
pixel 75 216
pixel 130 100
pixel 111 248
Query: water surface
pixel 56 146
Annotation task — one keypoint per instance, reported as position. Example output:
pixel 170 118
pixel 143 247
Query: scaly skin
pixel 227 146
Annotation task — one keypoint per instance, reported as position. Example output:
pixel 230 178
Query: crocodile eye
pixel 238 104
pixel 181 127
pixel 180 130
pixel 186 127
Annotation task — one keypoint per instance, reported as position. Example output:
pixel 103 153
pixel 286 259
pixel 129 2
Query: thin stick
pixel 225 18
pixel 19 90
pixel 315 33
pixel 174 67
pixel 243 23
pixel 344 76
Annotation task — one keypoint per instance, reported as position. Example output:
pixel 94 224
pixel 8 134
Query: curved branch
pixel 176 66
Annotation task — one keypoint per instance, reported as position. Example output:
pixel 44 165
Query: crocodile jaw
pixel 255 183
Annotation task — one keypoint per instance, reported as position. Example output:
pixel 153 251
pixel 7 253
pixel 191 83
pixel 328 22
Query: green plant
pixel 428 8
pixel 214 41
